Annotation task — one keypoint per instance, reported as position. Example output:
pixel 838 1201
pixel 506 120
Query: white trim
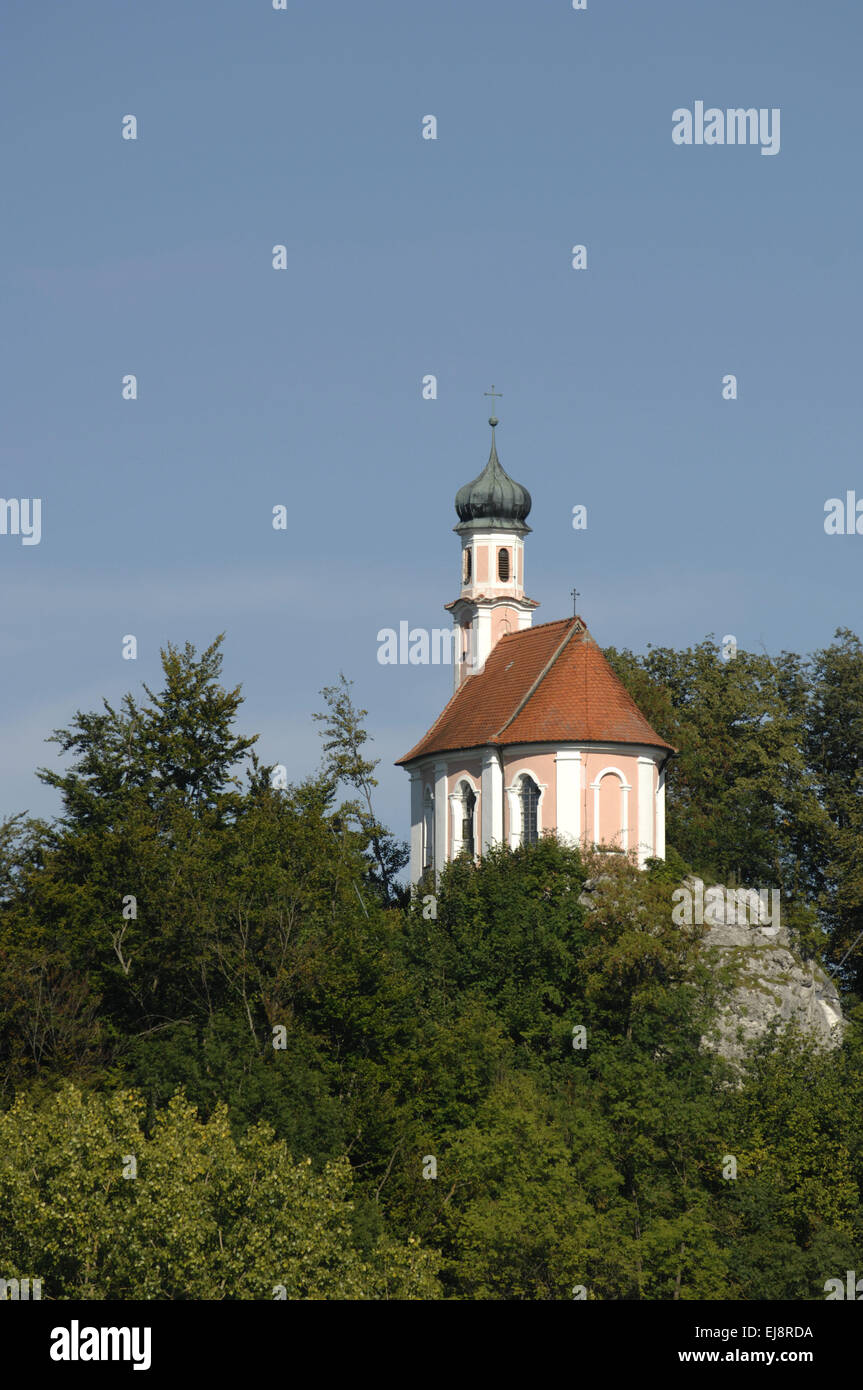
pixel 467 549
pixel 615 750
pixel 529 750
pixel 472 783
pixel 617 772
pixel 487 600
pixel 625 789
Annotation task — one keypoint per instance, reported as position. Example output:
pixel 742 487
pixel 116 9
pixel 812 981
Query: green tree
pixel 179 746
pixel 835 749
pixel 204 1216
pixel 344 763
pixel 795 1211
pixel 742 798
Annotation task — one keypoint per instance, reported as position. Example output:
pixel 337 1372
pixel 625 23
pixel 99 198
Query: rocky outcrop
pixel 764 978
pixel 768 981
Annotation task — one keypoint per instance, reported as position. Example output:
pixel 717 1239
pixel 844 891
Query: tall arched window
pixel 503 565
pixel 428 829
pixel 467 564
pixel 467 807
pixel 529 797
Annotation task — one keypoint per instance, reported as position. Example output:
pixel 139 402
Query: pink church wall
pixel 482 564
pixel 541 766
pixel 503 620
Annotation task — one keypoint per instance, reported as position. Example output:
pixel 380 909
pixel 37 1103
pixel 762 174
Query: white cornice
pixel 526 750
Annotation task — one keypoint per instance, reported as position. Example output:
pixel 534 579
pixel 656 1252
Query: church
pixel 539 734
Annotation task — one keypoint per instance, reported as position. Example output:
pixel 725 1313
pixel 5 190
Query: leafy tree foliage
pixel 767 785
pixel 329 1087
pixel 834 744
pixel 200 1215
pixel 178 749
pixel 344 737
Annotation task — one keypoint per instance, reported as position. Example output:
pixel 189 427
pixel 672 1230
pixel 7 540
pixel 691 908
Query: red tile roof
pixel 546 684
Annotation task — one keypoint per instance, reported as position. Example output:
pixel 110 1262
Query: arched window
pixel 428 829
pixel 466 809
pixel 503 565
pixel 467 564
pixel 529 798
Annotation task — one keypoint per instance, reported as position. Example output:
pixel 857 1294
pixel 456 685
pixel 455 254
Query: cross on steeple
pixel 575 596
pixel 493 394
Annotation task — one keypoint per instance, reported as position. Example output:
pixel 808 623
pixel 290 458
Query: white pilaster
pixel 463 654
pixel 416 868
pixel 482 639
pixel 441 803
pixel 525 618
pixel 513 816
pixel 659 850
pixel 492 799
pixel 646 811
pixel 567 766
pixel 456 815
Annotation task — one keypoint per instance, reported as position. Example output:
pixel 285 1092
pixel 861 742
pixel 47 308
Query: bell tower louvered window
pixel 503 566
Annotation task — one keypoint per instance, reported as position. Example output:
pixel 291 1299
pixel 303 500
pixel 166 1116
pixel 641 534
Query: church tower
pixel 539 734
pixel 491 511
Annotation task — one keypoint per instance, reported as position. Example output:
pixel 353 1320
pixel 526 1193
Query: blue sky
pixel 406 257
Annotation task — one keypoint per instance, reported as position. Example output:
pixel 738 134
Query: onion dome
pixel 494 499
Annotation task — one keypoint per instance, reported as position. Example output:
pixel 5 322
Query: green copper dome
pixel 493 499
